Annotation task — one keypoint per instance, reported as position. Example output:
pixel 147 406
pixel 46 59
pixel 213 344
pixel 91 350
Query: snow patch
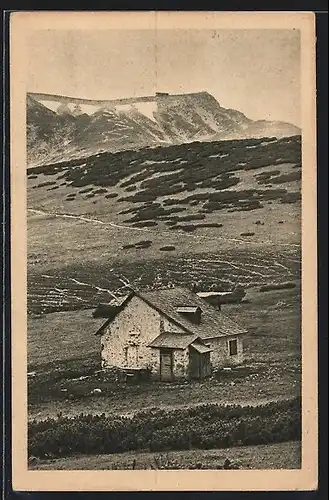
pixel 147 109
pixel 123 108
pixel 53 105
pixel 89 109
pixel 74 108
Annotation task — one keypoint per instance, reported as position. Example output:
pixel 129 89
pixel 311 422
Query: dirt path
pixel 150 231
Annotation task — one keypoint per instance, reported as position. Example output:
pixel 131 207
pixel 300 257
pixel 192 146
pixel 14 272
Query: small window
pixel 233 347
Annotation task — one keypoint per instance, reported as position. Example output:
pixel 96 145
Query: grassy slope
pixel 90 249
pixel 274 456
pixel 62 336
pixel 194 173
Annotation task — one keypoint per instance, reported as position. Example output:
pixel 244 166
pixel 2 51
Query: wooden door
pixel 205 365
pixel 166 365
pixel 195 364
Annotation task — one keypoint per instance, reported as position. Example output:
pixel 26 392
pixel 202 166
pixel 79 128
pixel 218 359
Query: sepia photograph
pixel 162 176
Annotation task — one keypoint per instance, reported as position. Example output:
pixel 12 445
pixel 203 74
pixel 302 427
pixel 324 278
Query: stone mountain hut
pixel 172 333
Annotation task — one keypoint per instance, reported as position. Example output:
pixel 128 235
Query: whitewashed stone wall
pixel 220 356
pixel 133 328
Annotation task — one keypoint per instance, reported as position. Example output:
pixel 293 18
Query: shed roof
pixel 201 348
pixel 173 340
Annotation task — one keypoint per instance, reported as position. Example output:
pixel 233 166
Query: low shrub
pixel 205 426
pixel 143 244
pixel 44 184
pixel 186 218
pixel 128 246
pixel 50 172
pixel 146 223
pixel 111 195
pixel 292 197
pixel 188 228
pixel 266 176
pixel 100 191
pixel 277 286
pixel 144 195
pixel 291 176
pixel 167 248
pixel 209 224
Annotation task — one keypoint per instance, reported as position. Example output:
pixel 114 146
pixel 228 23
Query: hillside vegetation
pixel 207 426
pixel 221 212
pixel 176 185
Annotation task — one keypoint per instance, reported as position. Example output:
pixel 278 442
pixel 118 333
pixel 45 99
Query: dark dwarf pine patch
pixel 100 191
pixel 167 248
pixel 247 233
pixel 291 197
pixel 204 427
pixel 163 181
pixel 143 244
pixel 111 195
pixel 44 184
pixel 277 286
pixel 128 246
pixel 168 171
pixel 146 223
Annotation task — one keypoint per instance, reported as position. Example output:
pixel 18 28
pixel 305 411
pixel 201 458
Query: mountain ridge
pixel 62 128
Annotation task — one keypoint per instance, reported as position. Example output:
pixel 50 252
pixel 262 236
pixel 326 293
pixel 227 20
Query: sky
pixel 254 71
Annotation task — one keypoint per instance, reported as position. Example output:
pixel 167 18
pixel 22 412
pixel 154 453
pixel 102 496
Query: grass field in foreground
pixel 273 456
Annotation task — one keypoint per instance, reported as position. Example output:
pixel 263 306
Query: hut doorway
pixel 166 365
pixel 199 365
